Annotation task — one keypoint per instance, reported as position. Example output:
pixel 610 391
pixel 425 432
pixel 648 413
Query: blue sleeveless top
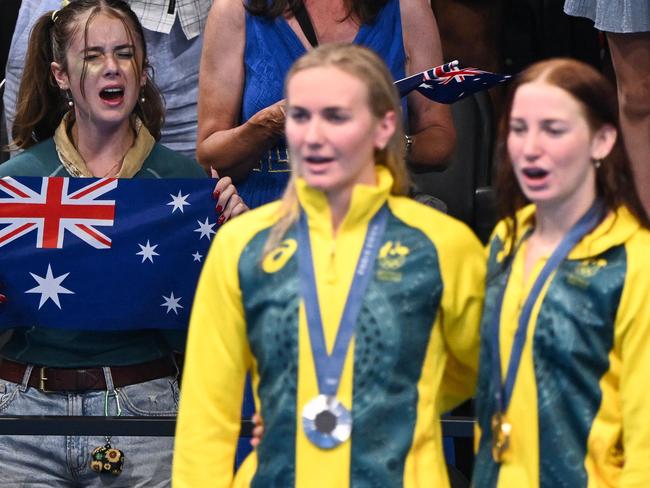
pixel 271 48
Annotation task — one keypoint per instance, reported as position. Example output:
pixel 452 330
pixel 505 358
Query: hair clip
pixel 54 14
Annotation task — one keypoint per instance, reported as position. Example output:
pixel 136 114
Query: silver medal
pixel 326 422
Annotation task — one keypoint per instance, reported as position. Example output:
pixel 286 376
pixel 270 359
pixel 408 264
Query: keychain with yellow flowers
pixel 106 458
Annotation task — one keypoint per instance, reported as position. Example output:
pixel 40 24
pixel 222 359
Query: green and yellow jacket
pixel 580 406
pixel 414 354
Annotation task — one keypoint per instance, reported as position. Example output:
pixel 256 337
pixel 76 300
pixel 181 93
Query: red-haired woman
pixel 565 353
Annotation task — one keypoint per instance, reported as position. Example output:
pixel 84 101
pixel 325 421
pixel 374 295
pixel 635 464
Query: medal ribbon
pixel 330 366
pixel 504 392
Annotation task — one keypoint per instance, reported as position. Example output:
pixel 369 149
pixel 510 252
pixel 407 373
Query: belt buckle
pixel 42 379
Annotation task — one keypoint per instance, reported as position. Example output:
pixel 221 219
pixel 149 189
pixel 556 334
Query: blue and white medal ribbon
pixel 325 421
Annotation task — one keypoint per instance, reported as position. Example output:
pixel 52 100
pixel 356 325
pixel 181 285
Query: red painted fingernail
pixel 215 194
pixel 221 220
pixel 219 209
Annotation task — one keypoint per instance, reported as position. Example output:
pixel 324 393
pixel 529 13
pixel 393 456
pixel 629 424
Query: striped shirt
pixel 160 15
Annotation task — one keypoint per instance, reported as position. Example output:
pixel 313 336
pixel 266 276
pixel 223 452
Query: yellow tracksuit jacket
pixel 580 408
pixel 414 354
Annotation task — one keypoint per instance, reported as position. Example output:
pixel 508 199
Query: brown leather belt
pixel 84 379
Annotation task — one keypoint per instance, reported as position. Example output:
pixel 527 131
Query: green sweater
pixel 68 348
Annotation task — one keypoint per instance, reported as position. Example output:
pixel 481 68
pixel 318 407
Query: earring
pixel 598 163
pixel 142 99
pixel 68 97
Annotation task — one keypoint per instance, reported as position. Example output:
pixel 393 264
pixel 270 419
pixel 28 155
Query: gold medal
pixel 501 430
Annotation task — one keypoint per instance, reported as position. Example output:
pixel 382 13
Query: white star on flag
pixel 49 287
pixel 197 256
pixel 205 228
pixel 147 251
pixel 178 201
pixel 171 303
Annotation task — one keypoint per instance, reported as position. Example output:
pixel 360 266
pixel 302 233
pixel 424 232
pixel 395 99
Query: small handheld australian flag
pixel 448 82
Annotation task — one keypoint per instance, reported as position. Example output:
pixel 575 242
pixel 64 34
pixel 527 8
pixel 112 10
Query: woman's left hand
pixel 229 203
pixel 258 430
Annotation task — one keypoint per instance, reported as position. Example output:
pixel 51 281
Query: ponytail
pixel 41 103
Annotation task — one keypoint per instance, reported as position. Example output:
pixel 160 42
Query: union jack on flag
pixel 448 82
pixel 140 271
pixel 52 210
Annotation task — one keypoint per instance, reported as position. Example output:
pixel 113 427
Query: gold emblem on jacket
pixel 584 271
pixel 276 259
pixel 392 256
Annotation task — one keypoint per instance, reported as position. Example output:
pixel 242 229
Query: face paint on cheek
pixel 93 68
pixel 92 75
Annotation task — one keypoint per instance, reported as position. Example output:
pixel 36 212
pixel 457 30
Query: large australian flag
pixel 102 254
pixel 448 82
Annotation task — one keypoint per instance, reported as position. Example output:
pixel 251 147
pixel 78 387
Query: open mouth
pixel 112 94
pixel 317 159
pixel 534 173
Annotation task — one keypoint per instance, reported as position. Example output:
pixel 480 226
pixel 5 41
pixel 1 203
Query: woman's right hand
pixel 271 118
pixel 258 430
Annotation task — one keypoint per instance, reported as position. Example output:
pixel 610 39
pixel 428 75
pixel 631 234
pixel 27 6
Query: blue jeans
pixel 57 462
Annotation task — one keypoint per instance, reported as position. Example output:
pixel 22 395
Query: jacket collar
pixel 75 164
pixel 614 230
pixel 365 202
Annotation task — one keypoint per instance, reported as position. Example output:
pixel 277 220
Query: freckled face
pixel 111 85
pixel 551 146
pixel 331 131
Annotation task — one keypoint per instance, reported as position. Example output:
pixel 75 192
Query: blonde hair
pixel 383 98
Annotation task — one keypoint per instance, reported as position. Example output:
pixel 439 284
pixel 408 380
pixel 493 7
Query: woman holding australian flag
pixel 87 107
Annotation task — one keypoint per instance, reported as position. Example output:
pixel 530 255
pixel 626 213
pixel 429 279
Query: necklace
pixel 112 171
pixel 115 169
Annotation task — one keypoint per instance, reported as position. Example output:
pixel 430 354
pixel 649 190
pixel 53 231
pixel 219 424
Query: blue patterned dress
pixel 271 48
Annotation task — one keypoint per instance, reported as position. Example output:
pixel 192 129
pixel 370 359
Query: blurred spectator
pixel 248 52
pixel 7 25
pixel 627 24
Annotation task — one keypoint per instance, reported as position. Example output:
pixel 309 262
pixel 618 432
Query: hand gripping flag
pixel 102 254
pixel 448 83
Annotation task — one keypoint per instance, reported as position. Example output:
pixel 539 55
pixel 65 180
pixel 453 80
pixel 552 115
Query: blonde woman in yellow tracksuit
pixel 565 351
pixel 355 307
